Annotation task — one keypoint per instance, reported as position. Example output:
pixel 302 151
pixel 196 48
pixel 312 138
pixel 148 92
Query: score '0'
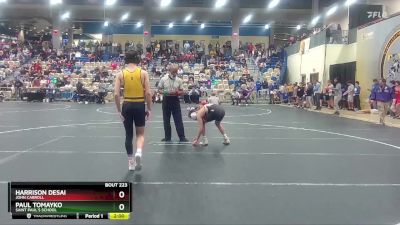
pixel 121 194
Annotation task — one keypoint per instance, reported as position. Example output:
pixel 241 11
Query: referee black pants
pixel 171 105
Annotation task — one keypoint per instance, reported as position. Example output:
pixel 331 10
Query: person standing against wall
pixel 383 96
pixel 317 95
pixel 337 95
pixel 171 87
pixel 396 106
pixel 373 90
pixel 357 91
pixel 350 95
pixel 309 95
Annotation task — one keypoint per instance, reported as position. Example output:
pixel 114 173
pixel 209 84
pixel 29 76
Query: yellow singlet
pixel 133 87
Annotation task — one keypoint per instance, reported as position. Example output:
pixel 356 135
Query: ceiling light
pixel 315 20
pixel 188 17
pixel 202 26
pixel 170 25
pixel 350 2
pixel 139 24
pixel 55 2
pixel 65 16
pixel 110 2
pixel 266 26
pixel 3 1
pixel 165 3
pixel 332 10
pixel 298 27
pixel 220 3
pixel 273 4
pixel 125 16
pixel 106 23
pixel 247 18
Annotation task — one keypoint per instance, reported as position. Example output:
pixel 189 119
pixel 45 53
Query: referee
pixel 171 87
pixel 136 91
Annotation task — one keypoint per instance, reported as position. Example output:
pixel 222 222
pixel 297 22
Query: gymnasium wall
pixel 293 68
pixel 313 61
pixel 377 53
pixel 338 54
pixel 371 42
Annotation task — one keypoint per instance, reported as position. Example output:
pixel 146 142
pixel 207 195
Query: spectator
pixel 213 99
pixel 373 90
pixel 36 82
pixel 300 95
pixel 290 92
pixel 383 96
pixel 396 105
pixel 337 91
pixel 393 86
pixel 271 93
pixel 350 95
pixel 357 91
pixel 317 95
pixel 203 90
pixel 294 97
pixel 309 96
pixel 329 91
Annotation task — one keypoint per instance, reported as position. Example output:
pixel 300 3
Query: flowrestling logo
pixel 390 61
pixel 374 14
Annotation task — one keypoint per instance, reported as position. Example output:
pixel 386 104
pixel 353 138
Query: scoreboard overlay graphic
pixel 70 200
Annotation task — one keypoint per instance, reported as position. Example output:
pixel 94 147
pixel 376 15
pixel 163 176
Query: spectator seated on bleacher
pixel 213 99
pixel 244 93
pixel 1 96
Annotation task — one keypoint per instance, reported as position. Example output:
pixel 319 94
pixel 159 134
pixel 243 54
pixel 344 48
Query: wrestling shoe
pixel 226 141
pixel 138 161
pixel 205 141
pixel 131 164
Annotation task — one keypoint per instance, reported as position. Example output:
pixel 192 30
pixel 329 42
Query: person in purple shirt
pixel 383 96
pixel 374 88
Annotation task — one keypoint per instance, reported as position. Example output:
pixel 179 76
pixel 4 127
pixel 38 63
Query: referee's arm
pixel 160 86
pixel 180 90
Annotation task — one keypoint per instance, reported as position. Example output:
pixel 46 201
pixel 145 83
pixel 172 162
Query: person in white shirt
pixel 203 90
pixel 350 95
pixel 180 71
pixel 213 99
pixel 186 46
